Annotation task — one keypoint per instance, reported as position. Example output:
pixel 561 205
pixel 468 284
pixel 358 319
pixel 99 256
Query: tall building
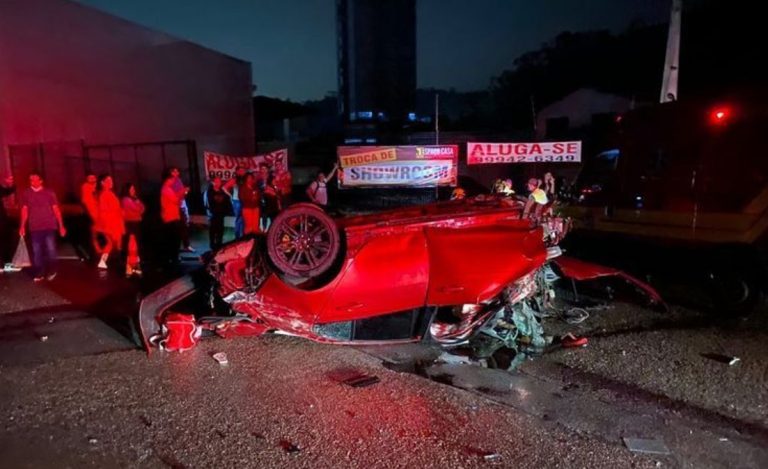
pixel 376 60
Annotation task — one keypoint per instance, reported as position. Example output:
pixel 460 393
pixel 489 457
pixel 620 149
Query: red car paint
pixel 581 270
pixel 437 255
pixel 446 254
pixel 466 255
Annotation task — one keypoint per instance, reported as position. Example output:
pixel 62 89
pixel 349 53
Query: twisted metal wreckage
pixel 470 274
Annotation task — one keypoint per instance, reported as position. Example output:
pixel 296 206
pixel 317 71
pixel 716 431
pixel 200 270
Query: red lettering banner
pixel 223 166
pixel 532 152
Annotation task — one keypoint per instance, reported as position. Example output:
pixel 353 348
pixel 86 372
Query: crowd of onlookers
pixel 111 226
pixel 109 231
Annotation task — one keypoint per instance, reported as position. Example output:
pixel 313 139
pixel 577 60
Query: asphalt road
pixel 75 392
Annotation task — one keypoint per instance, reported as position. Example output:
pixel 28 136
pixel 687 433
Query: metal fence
pixel 64 165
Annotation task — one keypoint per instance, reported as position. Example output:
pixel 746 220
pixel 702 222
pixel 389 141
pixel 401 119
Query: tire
pixel 735 291
pixel 303 241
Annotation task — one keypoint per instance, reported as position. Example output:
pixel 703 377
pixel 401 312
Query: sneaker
pixel 189 249
pixel 52 276
pixel 38 279
pixel 137 272
pixel 103 264
pixel 11 268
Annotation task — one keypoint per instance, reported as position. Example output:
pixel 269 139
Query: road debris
pixel 179 332
pixel 575 315
pixel 221 358
pixel 644 445
pixel 361 380
pixel 289 447
pixel 570 341
pixel 486 455
pixel 727 359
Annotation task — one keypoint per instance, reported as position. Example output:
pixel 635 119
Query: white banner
pixel 533 152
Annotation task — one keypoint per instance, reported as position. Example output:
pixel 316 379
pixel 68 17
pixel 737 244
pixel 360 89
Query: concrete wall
pixel 69 72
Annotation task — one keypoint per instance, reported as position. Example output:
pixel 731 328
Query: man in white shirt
pixel 318 189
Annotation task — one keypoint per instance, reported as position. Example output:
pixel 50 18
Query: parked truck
pixel 681 195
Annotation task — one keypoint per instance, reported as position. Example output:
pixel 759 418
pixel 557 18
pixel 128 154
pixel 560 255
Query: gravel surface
pixel 36 295
pixel 662 353
pixel 277 404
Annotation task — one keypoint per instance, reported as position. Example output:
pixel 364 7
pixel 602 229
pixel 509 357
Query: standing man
pixel 232 188
pixel 170 213
pixel 250 197
pixel 182 191
pixel 262 179
pixel 318 189
pixel 217 205
pixel 40 209
pixel 6 188
pixel 86 238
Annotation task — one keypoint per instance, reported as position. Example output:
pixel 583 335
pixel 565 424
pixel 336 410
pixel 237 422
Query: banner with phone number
pixel 533 152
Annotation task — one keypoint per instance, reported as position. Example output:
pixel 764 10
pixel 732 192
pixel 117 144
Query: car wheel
pixel 303 241
pixel 734 291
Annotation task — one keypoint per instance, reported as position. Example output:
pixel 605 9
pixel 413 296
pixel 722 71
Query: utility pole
pixel 672 60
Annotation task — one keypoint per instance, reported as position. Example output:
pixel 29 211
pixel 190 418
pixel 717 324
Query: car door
pixel 388 274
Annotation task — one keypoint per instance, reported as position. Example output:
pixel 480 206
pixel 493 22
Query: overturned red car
pixel 466 272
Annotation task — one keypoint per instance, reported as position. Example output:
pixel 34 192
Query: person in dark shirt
pixel 232 188
pixel 41 215
pixel 271 202
pixel 6 188
pixel 217 204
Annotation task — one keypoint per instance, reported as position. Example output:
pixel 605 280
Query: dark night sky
pixel 461 43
